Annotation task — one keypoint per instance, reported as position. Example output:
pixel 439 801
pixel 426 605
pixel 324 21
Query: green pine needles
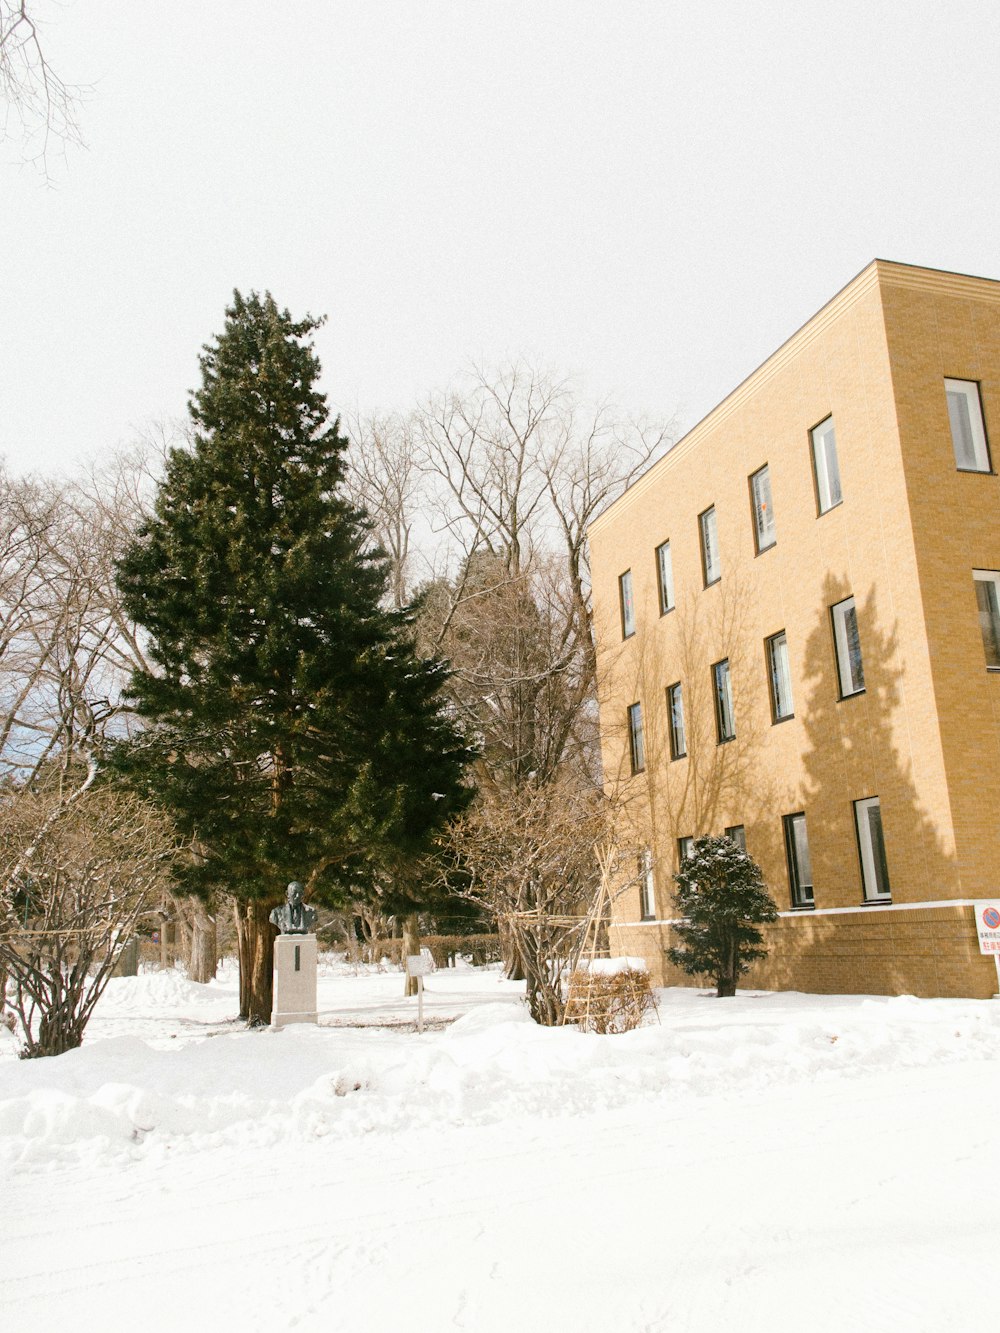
pixel 292 730
pixel 722 897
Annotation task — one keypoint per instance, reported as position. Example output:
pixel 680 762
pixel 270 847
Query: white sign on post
pixel 988 930
pixel 419 965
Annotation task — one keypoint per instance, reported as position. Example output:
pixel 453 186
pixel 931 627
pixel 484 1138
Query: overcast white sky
pixel 650 196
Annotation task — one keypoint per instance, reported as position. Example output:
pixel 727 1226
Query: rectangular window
pixel 779 676
pixel 988 601
pixel 685 848
pixel 848 645
pixel 722 684
pixel 665 577
pixel 647 885
pixel 737 833
pixel 800 876
pixel 763 509
pixel 871 847
pixel 968 434
pixel 636 745
pixel 709 546
pixel 675 711
pixel 825 467
pixel 627 604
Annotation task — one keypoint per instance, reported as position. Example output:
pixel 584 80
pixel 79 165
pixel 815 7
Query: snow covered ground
pixel 773 1162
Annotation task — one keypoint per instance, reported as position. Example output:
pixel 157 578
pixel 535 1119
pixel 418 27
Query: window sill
pixel 803 907
pixel 977 471
pixel 724 740
pixel 763 550
pixel 853 695
pixel 777 721
pixel 629 635
pixel 710 583
pixel 829 509
pixel 665 610
pixel 876 902
pixel 676 758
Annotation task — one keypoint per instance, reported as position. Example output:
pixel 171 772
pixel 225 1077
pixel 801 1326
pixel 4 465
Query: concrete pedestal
pixel 294 980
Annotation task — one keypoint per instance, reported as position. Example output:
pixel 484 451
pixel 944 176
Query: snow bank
pixel 123 1096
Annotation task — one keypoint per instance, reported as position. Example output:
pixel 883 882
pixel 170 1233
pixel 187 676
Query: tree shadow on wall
pixel 859 747
pixel 714 785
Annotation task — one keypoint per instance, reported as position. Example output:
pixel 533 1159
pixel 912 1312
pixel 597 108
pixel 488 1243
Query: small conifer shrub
pixel 722 898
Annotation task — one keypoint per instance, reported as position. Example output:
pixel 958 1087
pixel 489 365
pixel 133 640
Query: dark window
pixel 779 677
pixel 871 848
pixel 685 848
pixel 665 577
pixel 647 885
pixel 763 510
pixel 737 833
pixel 799 865
pixel 988 601
pixel 968 434
pixel 627 604
pixel 637 748
pixel 723 688
pixel 675 711
pixel 709 546
pixel 825 466
pixel 848 645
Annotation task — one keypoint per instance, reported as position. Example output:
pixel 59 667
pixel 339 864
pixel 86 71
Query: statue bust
pixel 295 917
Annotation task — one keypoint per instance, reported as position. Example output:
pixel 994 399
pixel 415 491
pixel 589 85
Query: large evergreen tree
pixel 295 733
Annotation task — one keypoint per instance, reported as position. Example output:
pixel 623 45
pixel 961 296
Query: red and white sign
pixel 988 926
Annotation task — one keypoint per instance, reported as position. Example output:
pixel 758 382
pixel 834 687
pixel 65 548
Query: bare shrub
pixel 603 1000
pixel 77 877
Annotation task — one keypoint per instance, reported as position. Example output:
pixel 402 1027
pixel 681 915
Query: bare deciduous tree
pixel 32 92
pixel 528 856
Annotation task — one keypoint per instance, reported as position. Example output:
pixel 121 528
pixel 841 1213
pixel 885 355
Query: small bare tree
pixel 76 878
pixel 528 856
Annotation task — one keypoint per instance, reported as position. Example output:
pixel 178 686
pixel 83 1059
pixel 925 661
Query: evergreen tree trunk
pixel 725 987
pixel 204 955
pixel 411 946
pixel 256 944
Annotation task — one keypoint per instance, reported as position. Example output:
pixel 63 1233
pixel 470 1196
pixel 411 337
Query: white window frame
pixel 989 619
pixel 874 893
pixel 850 674
pixel 675 721
pixel 972 451
pixel 647 886
pixel 665 577
pixel 626 600
pixel 636 738
pixel 800 882
pixel 829 489
pixel 778 666
pixel 708 527
pixel 722 690
pixel 762 504
pixel 685 849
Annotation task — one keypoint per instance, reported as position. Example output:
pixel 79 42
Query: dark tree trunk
pixel 203 957
pixel 256 944
pixel 411 947
pixel 725 986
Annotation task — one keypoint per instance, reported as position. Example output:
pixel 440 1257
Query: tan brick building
pixel 798 623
